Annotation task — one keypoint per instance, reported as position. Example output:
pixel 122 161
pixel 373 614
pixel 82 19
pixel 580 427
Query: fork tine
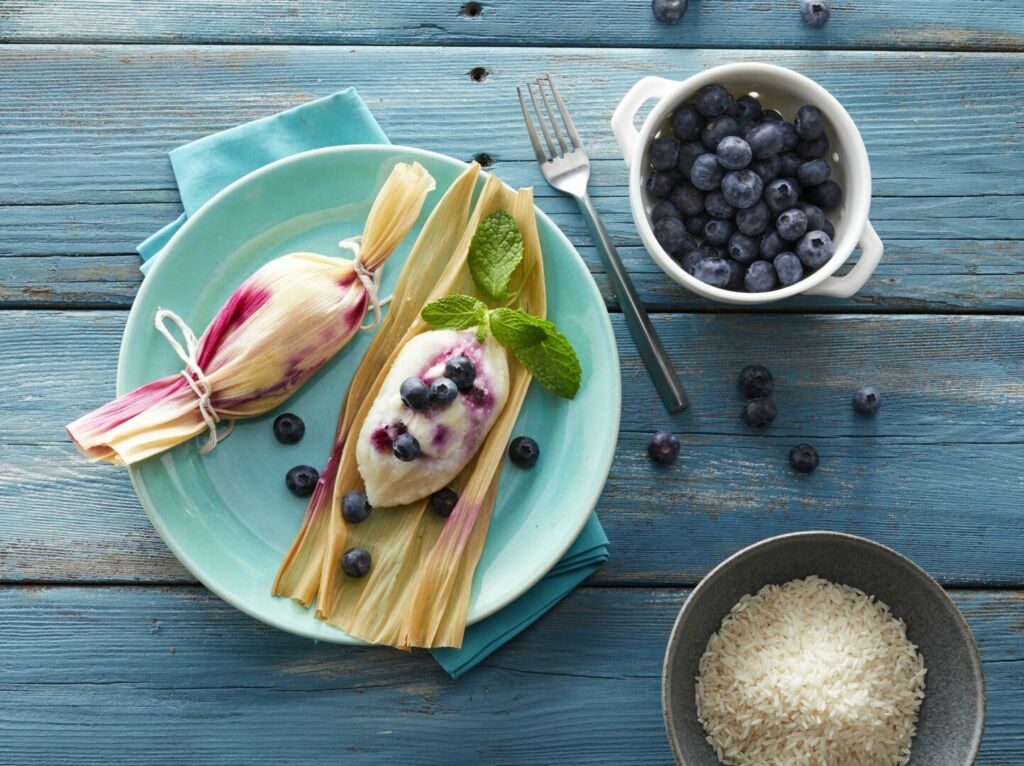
pixel 551 116
pixel 566 119
pixel 540 119
pixel 537 148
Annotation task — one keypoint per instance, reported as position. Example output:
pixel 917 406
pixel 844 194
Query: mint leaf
pixel 495 253
pixel 541 348
pixel 455 312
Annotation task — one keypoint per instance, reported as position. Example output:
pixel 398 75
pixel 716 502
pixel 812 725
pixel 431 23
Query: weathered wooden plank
pixel 937 474
pixel 93 123
pixel 193 680
pixel 946 24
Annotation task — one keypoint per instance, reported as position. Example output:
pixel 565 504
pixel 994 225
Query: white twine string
pixel 370 280
pixel 194 375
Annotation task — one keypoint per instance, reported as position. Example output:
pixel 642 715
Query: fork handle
pixel 647 342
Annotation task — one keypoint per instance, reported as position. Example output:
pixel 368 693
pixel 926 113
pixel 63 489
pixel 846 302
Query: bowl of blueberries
pixel 749 183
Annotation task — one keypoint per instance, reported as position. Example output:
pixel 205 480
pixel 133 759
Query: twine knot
pixel 370 280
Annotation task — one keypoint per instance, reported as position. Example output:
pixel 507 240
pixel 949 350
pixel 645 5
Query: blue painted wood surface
pixel 110 653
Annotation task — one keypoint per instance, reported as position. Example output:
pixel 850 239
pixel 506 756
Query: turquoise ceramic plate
pixel 228 516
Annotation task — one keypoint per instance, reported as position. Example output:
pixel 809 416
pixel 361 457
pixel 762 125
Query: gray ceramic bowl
pixel 953 713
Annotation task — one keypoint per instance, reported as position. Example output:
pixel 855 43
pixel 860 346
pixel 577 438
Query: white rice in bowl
pixel 810 673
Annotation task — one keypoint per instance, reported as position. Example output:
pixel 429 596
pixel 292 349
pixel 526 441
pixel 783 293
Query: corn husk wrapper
pixel 274 332
pixel 417 593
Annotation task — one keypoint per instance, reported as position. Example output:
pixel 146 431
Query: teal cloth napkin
pixel 205 166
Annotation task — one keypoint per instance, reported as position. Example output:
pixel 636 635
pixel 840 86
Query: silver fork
pixel 567 168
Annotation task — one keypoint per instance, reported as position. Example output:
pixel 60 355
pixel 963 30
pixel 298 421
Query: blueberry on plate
pixel 695 223
pixel 753 221
pixel 717 206
pixel 765 139
pixel 867 401
pixel 664 153
pixel 717 231
pixel 803 458
pixel 355 507
pixel 826 196
pixel 712 100
pixel 791 224
pixel 663 447
pixel 768 168
pixel 815 218
pixel 813 173
pixel 742 188
pixel 301 480
pixel 688 199
pixel 687 123
pixel 717 129
pixel 748 108
pixel 788 269
pixel 443 391
pixel 809 122
pixel 813 148
pixel 406 447
pixel 660 185
pixel 782 194
pixel 672 235
pixel 668 11
pixel 733 153
pixel 461 371
pixel 742 249
pixel 789 165
pixel 713 271
pixel 356 562
pixel 771 245
pixel 814 13
pixel 759 411
pixel 415 393
pixel 289 428
pixel 760 277
pixel 523 452
pixel 443 502
pixel 706 173
pixel 756 380
pixel 665 209
pixel 689 152
pixel 814 249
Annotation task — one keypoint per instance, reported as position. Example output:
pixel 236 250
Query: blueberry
pixel 815 218
pixel 789 136
pixel 443 391
pixel 712 100
pixel 695 223
pixel 355 507
pixel 443 502
pixel 813 173
pixel 747 108
pixel 523 452
pixel 717 129
pixel 687 123
pixel 691 259
pixel 415 394
pixel 803 458
pixel 660 185
pixel 671 235
pixel 771 245
pixel 756 380
pixel 742 248
pixel 668 11
pixel 791 224
pixel 713 271
pixel 663 447
pixel 717 207
pixel 688 152
pixel 717 231
pixel 742 188
pixel 814 249
pixel 814 13
pixel 827 195
pixel 809 122
pixel 781 194
pixel 788 268
pixel 736 273
pixel 406 447
pixel 812 149
pixel 765 139
pixel 829 229
pixel 462 371
pixel 288 428
pixel 706 173
pixel 771 115
pixel 867 401
pixel 759 412
pixel 301 480
pixel 760 277
pixel 753 221
pixel 733 153
pixel 665 209
pixel 356 562
pixel 688 199
pixel 664 153
pixel 789 165
pixel 768 168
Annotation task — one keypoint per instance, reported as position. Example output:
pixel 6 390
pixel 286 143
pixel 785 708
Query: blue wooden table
pixel 111 653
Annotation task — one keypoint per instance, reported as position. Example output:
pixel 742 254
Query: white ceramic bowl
pixel 777 88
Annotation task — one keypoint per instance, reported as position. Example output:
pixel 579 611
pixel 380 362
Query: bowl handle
pixel 622 119
pixel 847 285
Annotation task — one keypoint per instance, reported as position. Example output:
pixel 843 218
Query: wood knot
pixel 478 74
pixel 484 159
pixel 471 10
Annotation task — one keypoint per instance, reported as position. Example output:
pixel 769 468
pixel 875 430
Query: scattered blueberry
pixel 288 428
pixel 717 206
pixel 789 165
pixel 753 221
pixel 415 393
pixel 814 249
pixel 867 400
pixel 689 152
pixel 791 224
pixel 712 100
pixel 760 277
pixel 443 392
pixel 809 122
pixel 717 231
pixel 301 480
pixel 665 209
pixel 768 168
pixel 671 235
pixel 813 148
pixel 668 11
pixel 406 447
pixel 706 173
pixel 742 249
pixel 734 153
pixel 443 502
pixel 803 458
pixel 687 123
pixel 461 371
pixel 688 199
pixel 814 172
pixel 695 223
pixel 748 108
pixel 356 562
pixel 781 194
pixel 788 268
pixel 660 185
pixel 765 139
pixel 759 412
pixel 664 154
pixel 355 507
pixel 827 195
pixel 713 271
pixel 717 129
pixel 742 188
pixel 814 13
pixel 771 245
pixel 663 447
pixel 756 380
pixel 523 452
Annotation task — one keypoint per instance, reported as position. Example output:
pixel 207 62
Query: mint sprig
pixel 456 312
pixel 495 253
